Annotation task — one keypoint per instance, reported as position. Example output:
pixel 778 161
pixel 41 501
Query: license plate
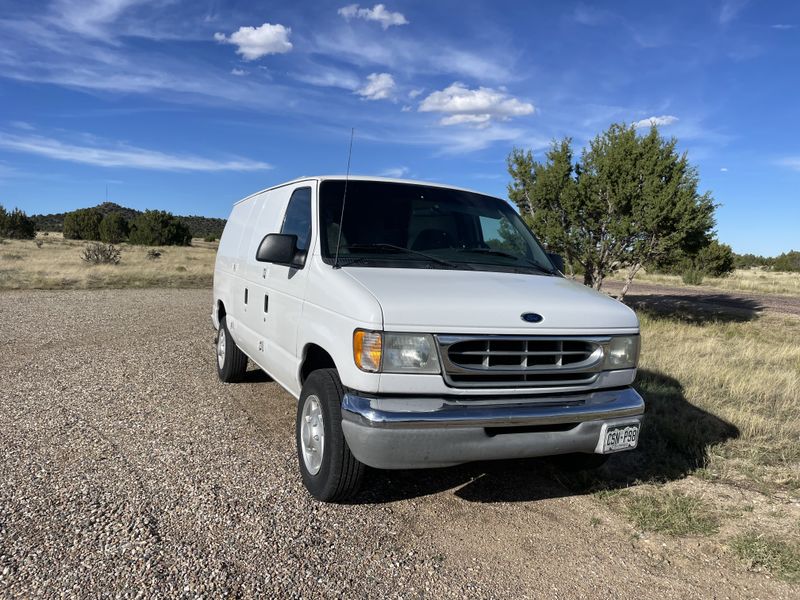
pixel 616 438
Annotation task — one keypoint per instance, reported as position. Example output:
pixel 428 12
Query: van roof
pixel 361 178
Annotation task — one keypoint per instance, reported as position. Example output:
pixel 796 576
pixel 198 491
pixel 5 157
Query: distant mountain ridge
pixel 199 226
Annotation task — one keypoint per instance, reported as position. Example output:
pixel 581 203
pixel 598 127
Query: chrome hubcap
pixel 312 434
pixel 221 343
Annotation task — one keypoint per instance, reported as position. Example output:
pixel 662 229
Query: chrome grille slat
pixel 521 361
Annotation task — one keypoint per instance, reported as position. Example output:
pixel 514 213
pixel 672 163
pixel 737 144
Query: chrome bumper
pixel 400 433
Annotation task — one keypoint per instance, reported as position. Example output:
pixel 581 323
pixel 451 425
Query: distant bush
pixel 715 260
pixel 210 238
pixel 153 254
pixel 83 224
pixel 16 225
pixel 788 261
pixel 692 276
pixel 98 253
pixel 159 228
pixel 114 228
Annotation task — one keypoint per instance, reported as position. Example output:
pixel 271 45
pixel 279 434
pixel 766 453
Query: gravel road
pixel 128 470
pixel 709 300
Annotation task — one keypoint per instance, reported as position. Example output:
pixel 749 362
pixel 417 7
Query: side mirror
pixel 277 248
pixel 557 260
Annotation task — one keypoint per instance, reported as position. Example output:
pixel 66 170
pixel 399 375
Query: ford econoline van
pixel 419 325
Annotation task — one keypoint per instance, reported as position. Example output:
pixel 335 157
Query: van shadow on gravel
pixel 675 439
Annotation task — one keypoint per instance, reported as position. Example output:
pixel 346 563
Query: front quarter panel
pixel 336 305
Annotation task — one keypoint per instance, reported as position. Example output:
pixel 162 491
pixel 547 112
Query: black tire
pixel 231 362
pixel 339 474
pixel 580 461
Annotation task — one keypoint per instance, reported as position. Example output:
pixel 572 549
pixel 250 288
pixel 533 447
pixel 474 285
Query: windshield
pixel 419 226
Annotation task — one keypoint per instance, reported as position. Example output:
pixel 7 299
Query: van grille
pixel 493 361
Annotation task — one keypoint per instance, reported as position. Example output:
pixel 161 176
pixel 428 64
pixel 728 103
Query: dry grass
pixel 727 395
pixel 741 280
pixel 57 265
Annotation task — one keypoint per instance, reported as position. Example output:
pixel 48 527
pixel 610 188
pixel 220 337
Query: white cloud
pixel 377 13
pixel 414 93
pixel 589 15
pixel 783 26
pixel 255 42
pixel 406 108
pixel 792 162
pixel 724 169
pixel 730 10
pixel 396 172
pixel 238 72
pixel 379 86
pixel 90 17
pixel 661 121
pixel 477 107
pixel 122 155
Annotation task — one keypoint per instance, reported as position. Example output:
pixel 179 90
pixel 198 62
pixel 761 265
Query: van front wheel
pixel 231 362
pixel 329 470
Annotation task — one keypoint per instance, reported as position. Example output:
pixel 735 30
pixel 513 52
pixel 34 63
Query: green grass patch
pixel 672 513
pixel 766 552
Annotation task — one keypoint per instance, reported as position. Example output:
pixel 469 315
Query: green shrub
pixel 715 260
pixel 159 228
pixel 83 224
pixel 210 238
pixel 16 225
pixel 692 276
pixel 114 228
pixel 788 261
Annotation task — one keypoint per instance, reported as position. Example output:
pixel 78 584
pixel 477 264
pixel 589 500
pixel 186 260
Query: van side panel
pixel 225 265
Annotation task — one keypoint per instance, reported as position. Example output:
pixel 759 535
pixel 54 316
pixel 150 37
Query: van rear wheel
pixel 231 362
pixel 329 470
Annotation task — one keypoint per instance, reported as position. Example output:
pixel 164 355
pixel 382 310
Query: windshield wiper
pixel 394 248
pixel 493 252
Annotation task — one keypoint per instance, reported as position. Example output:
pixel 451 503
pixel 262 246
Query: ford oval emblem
pixel 532 317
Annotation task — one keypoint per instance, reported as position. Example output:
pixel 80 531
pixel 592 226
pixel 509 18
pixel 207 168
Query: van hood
pixel 449 301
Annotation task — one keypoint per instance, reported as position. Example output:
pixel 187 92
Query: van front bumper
pixel 412 433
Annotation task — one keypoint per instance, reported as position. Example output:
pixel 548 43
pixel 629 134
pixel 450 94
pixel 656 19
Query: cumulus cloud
pixel 477 107
pixel 377 13
pixel 724 169
pixel 238 72
pixel 379 86
pixel 123 156
pixel 255 42
pixel 663 120
pixel 414 93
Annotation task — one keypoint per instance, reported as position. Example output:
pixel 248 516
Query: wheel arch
pixel 315 357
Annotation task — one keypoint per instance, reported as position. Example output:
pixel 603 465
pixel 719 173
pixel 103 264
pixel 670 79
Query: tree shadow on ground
pixel 698 308
pixel 675 440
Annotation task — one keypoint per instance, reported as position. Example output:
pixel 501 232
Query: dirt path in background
pixel 699 298
pixel 127 467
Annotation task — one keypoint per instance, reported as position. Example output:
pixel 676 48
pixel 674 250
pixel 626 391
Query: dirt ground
pixel 717 301
pixel 129 470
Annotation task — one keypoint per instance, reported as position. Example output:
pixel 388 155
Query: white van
pixel 419 325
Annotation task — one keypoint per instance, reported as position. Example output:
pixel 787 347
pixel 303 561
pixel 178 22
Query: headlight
pixel 395 352
pixel 622 352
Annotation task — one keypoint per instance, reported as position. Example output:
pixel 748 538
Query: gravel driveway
pixel 128 470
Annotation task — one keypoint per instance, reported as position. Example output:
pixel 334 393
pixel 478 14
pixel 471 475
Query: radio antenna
pixel 344 199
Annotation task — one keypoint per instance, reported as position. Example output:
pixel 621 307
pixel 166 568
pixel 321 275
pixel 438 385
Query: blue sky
pixel 188 106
